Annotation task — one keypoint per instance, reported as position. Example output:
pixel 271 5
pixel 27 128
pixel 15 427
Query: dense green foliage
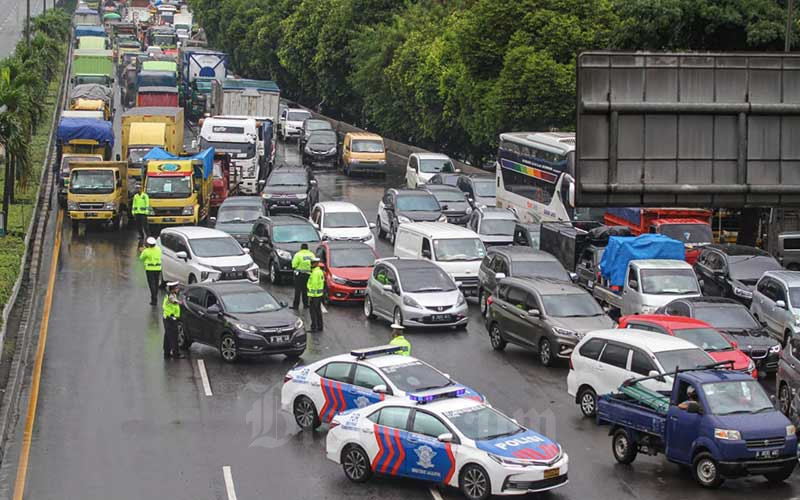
pixel 451 74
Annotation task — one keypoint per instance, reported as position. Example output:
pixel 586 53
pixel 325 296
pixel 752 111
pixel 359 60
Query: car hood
pixel 436 299
pixel 459 207
pixel 423 216
pixel 285 190
pixel 489 201
pixel 352 273
pixel 294 124
pixel 749 339
pixel 272 319
pixel 744 284
pixel 740 359
pixel 582 324
pixel 347 233
pixel 496 239
pixel 237 261
pixel 755 425
pixel 528 445
pixel 295 247
pixel 234 228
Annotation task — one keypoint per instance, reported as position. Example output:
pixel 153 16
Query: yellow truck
pixel 145 128
pixel 80 138
pixel 98 192
pixel 179 187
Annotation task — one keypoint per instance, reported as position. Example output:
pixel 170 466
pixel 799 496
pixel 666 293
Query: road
pixel 12 22
pixel 116 420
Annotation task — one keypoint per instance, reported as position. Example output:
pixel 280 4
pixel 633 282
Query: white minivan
pixel 455 249
pixel 604 359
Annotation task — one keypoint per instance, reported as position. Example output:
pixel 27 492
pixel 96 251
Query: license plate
pixel 169 219
pixel 764 454
pixel 551 473
pixel 278 339
pixel 441 317
pixel 358 293
pixel 91 214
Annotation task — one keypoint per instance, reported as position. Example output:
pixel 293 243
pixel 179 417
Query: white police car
pixel 456 441
pixel 315 393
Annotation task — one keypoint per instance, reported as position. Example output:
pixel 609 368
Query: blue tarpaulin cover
pixel 89 30
pixel 206 156
pixel 623 249
pixel 85 128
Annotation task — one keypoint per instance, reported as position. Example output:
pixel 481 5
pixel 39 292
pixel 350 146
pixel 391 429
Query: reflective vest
pixel 170 309
pixel 141 204
pixel 302 261
pixel 402 342
pixel 151 256
pixel 316 283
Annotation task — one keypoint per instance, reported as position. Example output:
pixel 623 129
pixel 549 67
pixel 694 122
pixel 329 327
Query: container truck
pixel 157 96
pixel 256 98
pixel 98 192
pixel 179 187
pixel 80 139
pixel 93 66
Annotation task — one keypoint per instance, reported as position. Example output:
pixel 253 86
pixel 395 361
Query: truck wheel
pixel 623 447
pixel 705 471
pixel 116 222
pixel 587 399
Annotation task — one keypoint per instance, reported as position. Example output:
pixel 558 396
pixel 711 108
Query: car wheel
pixel 368 308
pixel 545 352
pixel 474 483
pixel 184 341
pixel 482 296
pixel 381 232
pixel 705 471
pixel 623 447
pixel 397 317
pixel 192 279
pixel 305 414
pixel 784 399
pixel 228 348
pixel 355 464
pixel 274 275
pixel 496 338
pixel 587 399
pixel 392 234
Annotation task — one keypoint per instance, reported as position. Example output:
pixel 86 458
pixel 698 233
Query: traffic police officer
pixel 301 263
pixel 151 257
pixel 140 209
pixel 399 340
pixel 171 310
pixel 316 286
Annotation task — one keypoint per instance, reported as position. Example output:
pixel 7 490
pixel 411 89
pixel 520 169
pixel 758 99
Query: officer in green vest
pixel 171 311
pixel 301 263
pixel 140 209
pixel 151 257
pixel 316 286
pixel 399 340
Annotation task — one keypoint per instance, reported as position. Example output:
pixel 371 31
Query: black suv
pixel 290 189
pixel 453 201
pixel 732 270
pixel 401 206
pixel 274 241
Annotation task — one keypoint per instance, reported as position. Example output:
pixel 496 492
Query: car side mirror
pixel 372 225
pixel 458 170
pixel 262 182
pixel 388 288
pixel 380 389
pixel 182 255
pixel 573 277
pixel 780 304
pixel 315 225
pixel 693 407
pixel 445 207
pixel 534 312
pixel 119 183
pixel 734 344
pixel 426 254
pixel 701 283
pixel 446 437
pixel 119 158
pixel 214 309
pixel 633 284
pixel 246 250
pixel 657 375
pixel 499 276
pixel 283 303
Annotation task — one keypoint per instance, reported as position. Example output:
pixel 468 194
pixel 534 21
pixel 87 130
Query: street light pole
pixel 789 25
pixel 27 21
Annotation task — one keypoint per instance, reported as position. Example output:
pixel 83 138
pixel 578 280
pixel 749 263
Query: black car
pixel 446 179
pixel 311 125
pixel 453 202
pixel 237 215
pixel 274 241
pixel 290 189
pixel 732 270
pixel 401 206
pixel 734 319
pixel 480 189
pixel 239 319
pixel 320 149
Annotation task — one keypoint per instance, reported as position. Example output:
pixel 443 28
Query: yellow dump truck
pixel 179 187
pixel 98 192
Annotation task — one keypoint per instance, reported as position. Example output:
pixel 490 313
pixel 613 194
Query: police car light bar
pixel 434 394
pixel 381 350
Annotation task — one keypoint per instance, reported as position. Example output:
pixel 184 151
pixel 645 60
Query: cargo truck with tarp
pixel 93 66
pixel 84 15
pixel 82 30
pixel 179 187
pixel 80 139
pixel 92 97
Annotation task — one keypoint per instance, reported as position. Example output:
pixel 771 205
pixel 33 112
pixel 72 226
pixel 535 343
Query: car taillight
pixel 489 300
pixel 287 378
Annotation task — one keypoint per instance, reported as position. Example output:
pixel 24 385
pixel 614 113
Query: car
pixel 495 226
pixel 727 270
pixel 320 149
pixel 453 202
pixel 516 262
pixel 348 265
pixel 718 345
pixel 788 250
pixel 290 190
pixel 444 179
pixel 237 215
pixel 776 303
pixel 527 235
pixel 546 315
pixel 422 166
pixel 316 392
pixel 291 122
pixel 787 379
pixel 604 359
pixel 311 125
pixel 436 436
pixel 402 206
pixel 274 241
pixel 414 293
pixel 363 152
pixel 480 189
pixel 239 319
pixel 191 254
pixel 342 220
pixel 734 319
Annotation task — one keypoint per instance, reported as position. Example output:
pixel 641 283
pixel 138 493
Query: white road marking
pixel 324 311
pixel 435 494
pixel 201 365
pixel 226 471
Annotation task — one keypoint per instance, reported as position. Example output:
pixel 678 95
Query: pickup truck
pixel 728 429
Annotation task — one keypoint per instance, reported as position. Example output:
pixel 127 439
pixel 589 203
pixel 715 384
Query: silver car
pixel 414 293
pixel 776 303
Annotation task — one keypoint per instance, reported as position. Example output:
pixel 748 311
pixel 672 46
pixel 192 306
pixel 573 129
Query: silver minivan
pixel 789 250
pixel 776 303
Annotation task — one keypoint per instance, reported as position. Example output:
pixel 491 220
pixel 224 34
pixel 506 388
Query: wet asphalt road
pixel 115 420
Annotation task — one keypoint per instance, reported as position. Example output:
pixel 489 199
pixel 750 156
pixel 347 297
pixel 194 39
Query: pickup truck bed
pixel 619 409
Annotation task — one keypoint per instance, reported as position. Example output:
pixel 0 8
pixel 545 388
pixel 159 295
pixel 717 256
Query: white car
pixel 604 359
pixel 191 254
pixel 341 220
pixel 315 393
pixel 291 122
pixel 422 166
pixel 439 437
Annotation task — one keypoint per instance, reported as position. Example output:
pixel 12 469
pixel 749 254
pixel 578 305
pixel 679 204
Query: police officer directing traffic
pixel 301 263
pixel 399 340
pixel 316 287
pixel 171 310
pixel 151 257
pixel 140 209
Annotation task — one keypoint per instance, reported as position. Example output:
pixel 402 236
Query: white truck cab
pixel 238 138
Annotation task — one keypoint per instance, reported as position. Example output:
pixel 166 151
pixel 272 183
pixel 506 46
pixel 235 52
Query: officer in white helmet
pixel 151 257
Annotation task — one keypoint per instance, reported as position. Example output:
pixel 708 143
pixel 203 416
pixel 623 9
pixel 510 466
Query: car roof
pixel 439 229
pixel 228 287
pixel 645 340
pixel 345 245
pixel 662 264
pixel 242 201
pixel 299 109
pixel 440 187
pixel 708 300
pixel 338 206
pixel 320 120
pixel 287 220
pixel 408 264
pixel 410 192
pixel 364 135
pixel 498 213
pixel 431 156
pixel 193 232
pixel 547 286
pixel 522 253
pixel 733 249
pixel 283 168
pixel 787 276
pixel 668 321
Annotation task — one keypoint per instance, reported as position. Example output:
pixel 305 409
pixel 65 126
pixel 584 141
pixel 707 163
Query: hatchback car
pixel 239 319
pixel 548 316
pixel 422 166
pixel 320 149
pixel 291 123
pixel 348 265
pixel 495 226
pixel 341 220
pixel 402 206
pixel 412 292
pixel 776 303
pixel 311 125
pixel 274 241
pixel 290 190
pixel 453 202
pixel 480 189
pixel 237 215
pixel 732 270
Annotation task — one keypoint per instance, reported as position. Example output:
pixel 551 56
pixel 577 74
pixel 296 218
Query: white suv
pixel 422 166
pixel 604 359
pixel 291 122
pixel 341 220
pixel 195 254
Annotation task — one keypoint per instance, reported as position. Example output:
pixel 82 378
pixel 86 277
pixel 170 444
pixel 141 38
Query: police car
pixel 437 436
pixel 317 392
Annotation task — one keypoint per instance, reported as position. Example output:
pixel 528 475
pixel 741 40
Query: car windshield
pixel 445 179
pixel 683 358
pixel 498 227
pixel 352 257
pixel 318 125
pixel 727 317
pixel 298 116
pixel 482 423
pixel 741 396
pixel 295 233
pixel 539 269
pixel 66 160
pixel 287 179
pixel 249 302
pixel 322 139
pixel 749 268
pixel 367 146
pixel 573 305
pixel 92 181
pixel 165 40
pixel 706 339
pixel 459 249
pixel 415 203
pixel 688 233
pixel 215 247
pixel 237 150
pixel 136 155
pixel 344 219
pixel 238 214
pixel 449 196
pixel 169 186
pixel 426 280
pixel 434 166
pixel 415 376
pixel 794 297
pixel 485 188
pixel 669 281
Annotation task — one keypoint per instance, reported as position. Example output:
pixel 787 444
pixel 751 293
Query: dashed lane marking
pixel 226 471
pixel 435 494
pixel 324 310
pixel 201 365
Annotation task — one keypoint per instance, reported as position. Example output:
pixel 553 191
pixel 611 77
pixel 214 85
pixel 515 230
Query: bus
pixel 535 175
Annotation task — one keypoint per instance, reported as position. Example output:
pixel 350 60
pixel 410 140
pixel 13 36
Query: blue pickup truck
pixel 720 423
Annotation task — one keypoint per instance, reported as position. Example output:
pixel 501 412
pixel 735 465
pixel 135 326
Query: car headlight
pixel 283 254
pixel 775 349
pixel 72 205
pixel 245 327
pixel 382 162
pixel 410 302
pixel 402 219
pixel 209 275
pixel 307 150
pixel 337 279
pixel 302 196
pixel 750 366
pixel 266 196
pixel 111 205
pixel 727 434
pixel 252 273
pixel 741 292
pixel 188 210
pixel 565 332
pixel 442 218
pixel 298 324
pixel 791 430
pixel 331 151
pixel 469 209
pixel 461 300
pixel 368 237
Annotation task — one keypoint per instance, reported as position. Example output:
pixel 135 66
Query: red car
pixel 348 265
pixel 699 333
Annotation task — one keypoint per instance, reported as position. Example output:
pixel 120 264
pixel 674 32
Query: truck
pixel 157 96
pixel 202 98
pixel 202 63
pixel 256 98
pixel 182 23
pixel 640 274
pixel 98 192
pixel 92 97
pixel 85 15
pixel 93 66
pixel 93 42
pixel 179 187
pixel 82 30
pixel 225 182
pixel 728 429
pixel 156 79
pixel 146 128
pixel 80 139
pixel 690 226
pixel 237 137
